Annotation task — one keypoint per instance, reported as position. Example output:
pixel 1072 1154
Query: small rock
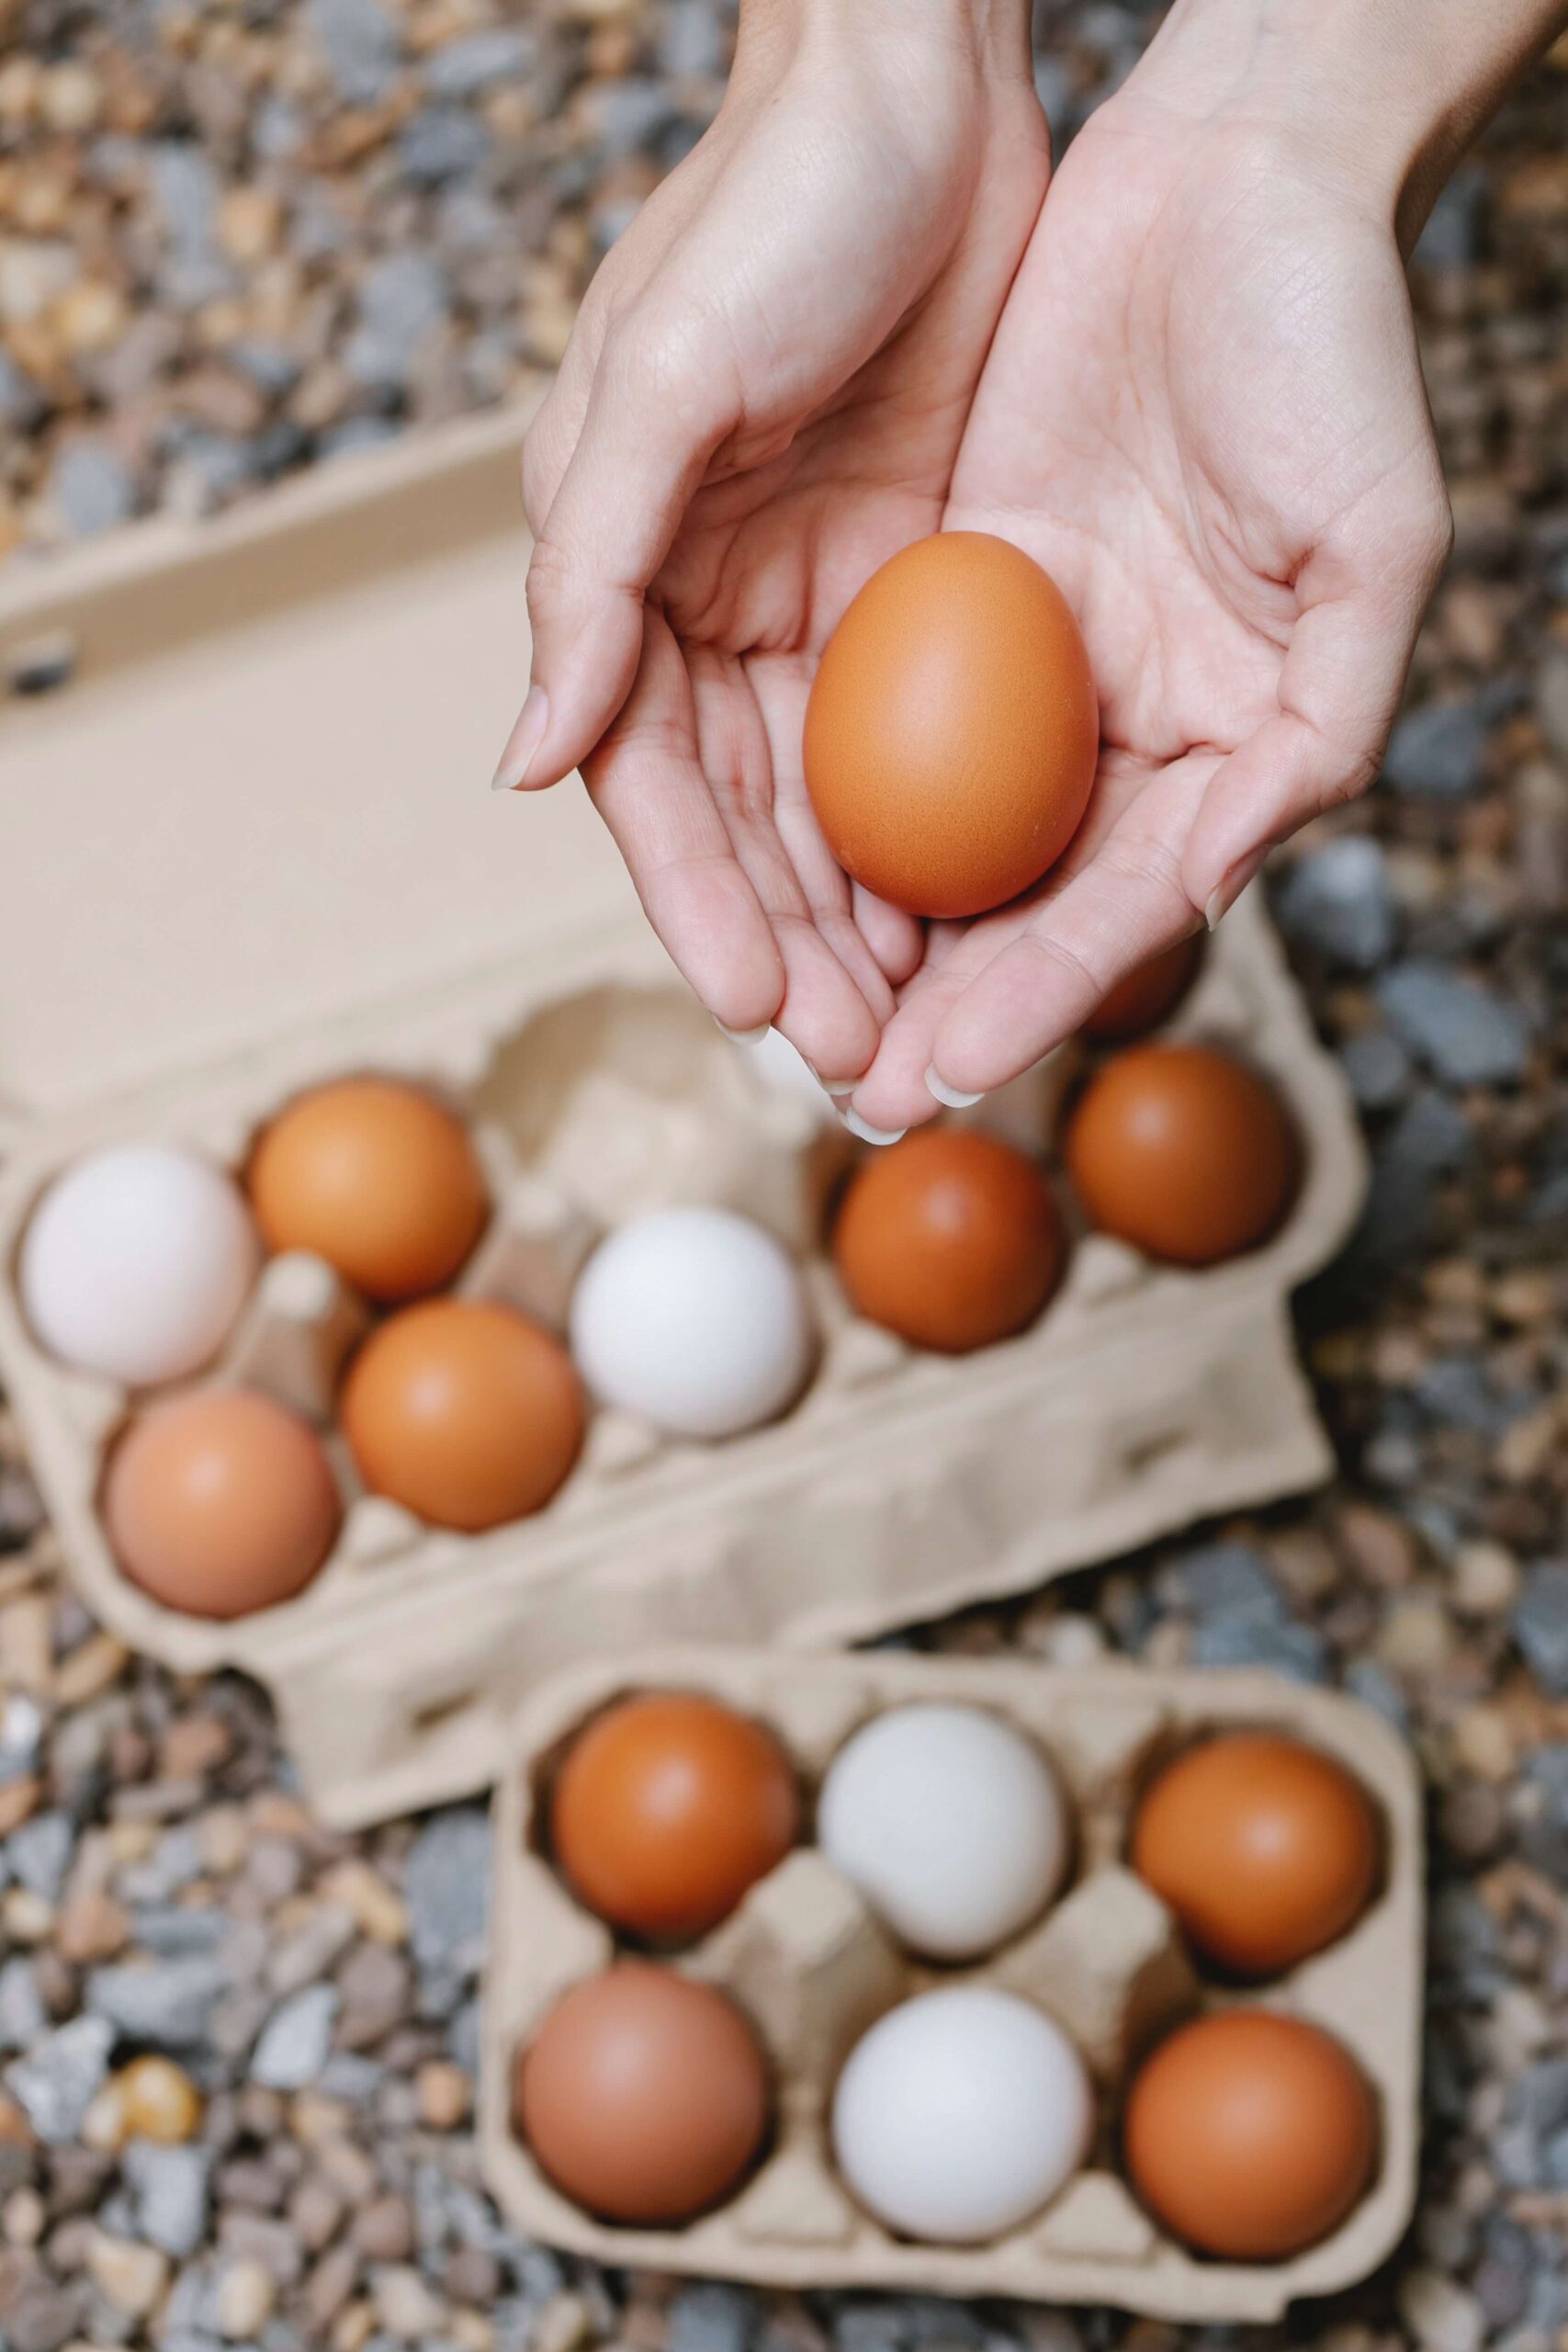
pixel 1540 1626
pixel 1442 2315
pixel 1463 1032
pixel 169 2191
pixel 405 2305
pixel 383 2231
pixel 361 43
pixel 441 143
pixel 168 2005
pixel 446 1887
pixel 132 2276
pixel 1230 1581
pixel 91 489
pixel 296 2040
pixel 402 299
pixel 57 2082
pixel 445 2095
pixel 1438 753
pixel 472 2277
pixel 158 2100
pixel 245 2298
pixel 1377 1068
pixel 376 1988
pixel 23 2017
pixel 314 1949
pixel 711 2318
pixel 1338 901
pixel 465 68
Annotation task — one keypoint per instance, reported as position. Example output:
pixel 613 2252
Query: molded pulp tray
pixel 805 1961
pixel 247 846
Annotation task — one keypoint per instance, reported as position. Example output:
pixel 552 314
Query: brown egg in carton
pixel 812 1969
pixel 1144 1396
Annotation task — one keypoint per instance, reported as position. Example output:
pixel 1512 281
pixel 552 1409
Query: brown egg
pixel 1250 2136
pixel 667 1809
pixel 644 2096
pixel 220 1503
pixel 952 733
pixel 952 1238
pixel 1146 996
pixel 466 1414
pixel 375 1178
pixel 1264 1849
pixel 1182 1152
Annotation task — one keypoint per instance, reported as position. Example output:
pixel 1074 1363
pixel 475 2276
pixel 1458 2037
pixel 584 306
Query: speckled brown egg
pixel 1265 1848
pixel 952 1238
pixel 952 730
pixel 1250 2136
pixel 666 1808
pixel 466 1413
pixel 644 2096
pixel 375 1177
pixel 1147 995
pixel 1182 1152
pixel 220 1503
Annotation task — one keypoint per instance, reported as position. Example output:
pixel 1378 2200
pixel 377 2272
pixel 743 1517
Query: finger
pixel 1339 689
pixel 658 408
pixel 897 940
pixel 648 785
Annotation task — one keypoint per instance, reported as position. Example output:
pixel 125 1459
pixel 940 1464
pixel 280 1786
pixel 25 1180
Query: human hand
pixel 763 399
pixel 1203 413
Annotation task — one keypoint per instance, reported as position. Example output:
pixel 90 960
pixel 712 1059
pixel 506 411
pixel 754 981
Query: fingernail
pixel 1223 899
pixel 949 1094
pixel 857 1126
pixel 523 741
pixel 741 1037
pixel 837 1087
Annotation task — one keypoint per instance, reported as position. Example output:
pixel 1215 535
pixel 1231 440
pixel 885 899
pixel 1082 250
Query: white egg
pixel 961 2114
pixel 951 1825
pixel 696 1319
pixel 136 1264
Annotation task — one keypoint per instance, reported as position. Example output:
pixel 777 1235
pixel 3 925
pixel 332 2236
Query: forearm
pixel 1391 91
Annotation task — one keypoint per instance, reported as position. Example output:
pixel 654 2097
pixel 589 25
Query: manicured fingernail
pixel 523 742
pixel 741 1037
pixel 949 1094
pixel 857 1126
pixel 1223 899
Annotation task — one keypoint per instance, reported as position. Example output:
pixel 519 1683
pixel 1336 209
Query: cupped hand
pixel 1203 415
pixel 764 399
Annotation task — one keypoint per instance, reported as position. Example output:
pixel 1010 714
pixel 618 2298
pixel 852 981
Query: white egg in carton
pixel 813 1970
pixel 187 941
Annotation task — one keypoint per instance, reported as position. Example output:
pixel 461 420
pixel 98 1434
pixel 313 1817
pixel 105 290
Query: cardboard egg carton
pixel 246 846
pixel 812 1968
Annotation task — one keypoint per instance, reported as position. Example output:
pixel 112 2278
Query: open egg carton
pixel 234 862
pixel 813 1970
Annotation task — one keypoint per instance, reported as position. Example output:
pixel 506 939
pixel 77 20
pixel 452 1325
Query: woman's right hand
pixel 763 399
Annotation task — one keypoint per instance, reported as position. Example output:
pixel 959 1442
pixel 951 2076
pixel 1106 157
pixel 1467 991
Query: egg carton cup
pixel 812 1968
pixel 324 904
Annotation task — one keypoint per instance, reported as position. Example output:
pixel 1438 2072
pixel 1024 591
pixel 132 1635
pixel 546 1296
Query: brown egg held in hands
pixel 220 1503
pixel 952 730
pixel 466 1413
pixel 1264 1849
pixel 1182 1152
pixel 667 1809
pixel 378 1178
pixel 644 2096
pixel 1146 996
pixel 1250 2136
pixel 952 1238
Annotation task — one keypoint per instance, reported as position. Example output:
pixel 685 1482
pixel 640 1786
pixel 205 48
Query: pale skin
pixel 1184 380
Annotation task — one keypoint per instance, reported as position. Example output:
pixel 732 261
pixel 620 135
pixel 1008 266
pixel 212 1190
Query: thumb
pixel 652 423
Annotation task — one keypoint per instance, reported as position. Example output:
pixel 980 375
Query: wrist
pixel 990 37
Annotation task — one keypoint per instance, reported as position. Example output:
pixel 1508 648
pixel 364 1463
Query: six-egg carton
pixel 319 903
pixel 812 1969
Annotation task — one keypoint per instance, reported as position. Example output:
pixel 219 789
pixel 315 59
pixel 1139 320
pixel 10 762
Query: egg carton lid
pixel 245 768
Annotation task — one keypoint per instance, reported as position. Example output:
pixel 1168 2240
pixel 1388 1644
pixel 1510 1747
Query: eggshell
pixel 961 2114
pixel 952 732
pixel 694 1318
pixel 1182 1152
pixel 1265 1850
pixel 136 1264
pixel 667 1809
pixel 952 1238
pixel 378 1178
pixel 950 1822
pixel 466 1413
pixel 1146 996
pixel 1250 2136
pixel 220 1503
pixel 644 2096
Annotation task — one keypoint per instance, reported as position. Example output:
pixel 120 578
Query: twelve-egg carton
pixel 902 1485
pixel 813 1970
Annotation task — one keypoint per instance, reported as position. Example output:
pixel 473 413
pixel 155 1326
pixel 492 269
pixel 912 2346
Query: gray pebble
pixel 357 435
pixel 168 2005
pixel 1463 1032
pixel 711 2318
pixel 400 300
pixel 91 488
pixel 441 143
pixel 1227 1581
pixel 362 45
pixel 38 1855
pixel 447 1887
pixel 1438 753
pixel 1338 901
pixel 168 2188
pixel 625 116
pixel 312 1949
pixel 693 39
pixel 277 129
pixel 1377 1068
pixel 22 406
pixel 186 187
pixel 465 68
pixel 1293 1650
pixel 463 2038
pixel 174 1860
pixel 296 2040
pixel 58 2081
pixel 1366 1681
pixel 23 2017
pixel 174 1933
pixel 1540 1626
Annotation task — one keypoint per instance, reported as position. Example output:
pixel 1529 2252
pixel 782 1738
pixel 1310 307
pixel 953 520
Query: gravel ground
pixel 237 2054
